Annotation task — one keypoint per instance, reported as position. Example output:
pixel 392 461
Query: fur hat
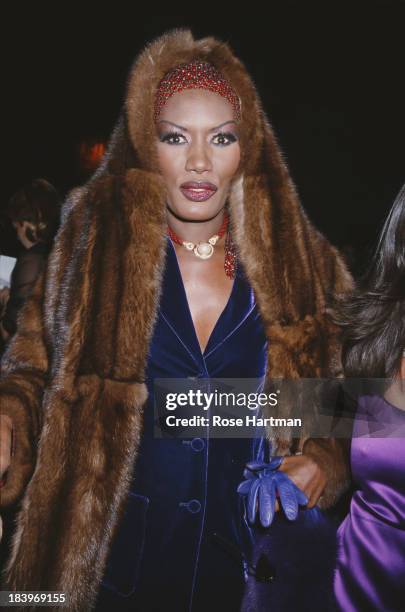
pixel 284 254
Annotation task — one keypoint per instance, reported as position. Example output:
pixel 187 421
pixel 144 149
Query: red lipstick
pixel 198 191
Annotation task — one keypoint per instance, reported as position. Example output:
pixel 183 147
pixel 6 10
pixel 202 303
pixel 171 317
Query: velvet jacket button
pixel 197 444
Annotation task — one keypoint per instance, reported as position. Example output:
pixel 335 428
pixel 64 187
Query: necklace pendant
pixel 189 245
pixel 203 250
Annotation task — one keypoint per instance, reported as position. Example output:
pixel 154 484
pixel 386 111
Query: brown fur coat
pixel 73 377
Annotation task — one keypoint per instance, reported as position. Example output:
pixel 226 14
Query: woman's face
pixel 198 152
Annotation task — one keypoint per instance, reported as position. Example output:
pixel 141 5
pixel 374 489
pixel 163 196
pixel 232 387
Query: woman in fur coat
pixel 186 255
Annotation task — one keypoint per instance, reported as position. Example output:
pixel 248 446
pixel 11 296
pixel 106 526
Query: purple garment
pixel 370 572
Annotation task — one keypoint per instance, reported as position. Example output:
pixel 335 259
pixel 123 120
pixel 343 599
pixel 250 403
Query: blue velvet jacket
pixel 176 545
pixel 184 491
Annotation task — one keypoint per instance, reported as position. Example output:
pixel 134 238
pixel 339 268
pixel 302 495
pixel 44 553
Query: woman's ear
pixel 402 371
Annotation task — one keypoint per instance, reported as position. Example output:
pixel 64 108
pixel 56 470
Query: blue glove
pixel 261 486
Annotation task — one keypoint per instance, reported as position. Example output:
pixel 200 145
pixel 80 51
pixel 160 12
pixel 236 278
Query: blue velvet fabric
pixel 165 555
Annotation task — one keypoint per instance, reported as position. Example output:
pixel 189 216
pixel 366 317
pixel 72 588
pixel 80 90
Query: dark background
pixel 331 76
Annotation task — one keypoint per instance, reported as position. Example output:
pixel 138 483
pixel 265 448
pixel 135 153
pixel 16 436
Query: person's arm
pixel 323 470
pixel 26 271
pixel 24 370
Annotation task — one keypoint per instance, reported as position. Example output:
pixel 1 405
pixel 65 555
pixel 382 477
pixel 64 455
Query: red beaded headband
pixel 196 75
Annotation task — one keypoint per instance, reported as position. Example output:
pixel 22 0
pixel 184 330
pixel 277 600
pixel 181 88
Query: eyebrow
pixel 186 130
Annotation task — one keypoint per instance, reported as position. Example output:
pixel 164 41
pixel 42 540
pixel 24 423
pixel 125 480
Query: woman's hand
pixel 6 427
pixel 307 475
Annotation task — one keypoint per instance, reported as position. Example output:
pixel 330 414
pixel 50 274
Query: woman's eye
pixel 173 138
pixel 224 138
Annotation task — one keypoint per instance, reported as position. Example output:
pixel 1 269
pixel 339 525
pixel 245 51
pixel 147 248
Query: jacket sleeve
pixel 332 454
pixel 23 376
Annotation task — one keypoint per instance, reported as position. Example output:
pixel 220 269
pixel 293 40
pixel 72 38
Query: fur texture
pixel 72 378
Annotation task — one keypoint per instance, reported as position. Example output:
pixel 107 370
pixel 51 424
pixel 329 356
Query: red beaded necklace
pixel 204 250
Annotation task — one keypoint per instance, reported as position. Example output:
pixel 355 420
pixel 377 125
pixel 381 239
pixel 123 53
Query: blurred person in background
pixel 34 213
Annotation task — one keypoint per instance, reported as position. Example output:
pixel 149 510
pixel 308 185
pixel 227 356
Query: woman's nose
pixel 198 159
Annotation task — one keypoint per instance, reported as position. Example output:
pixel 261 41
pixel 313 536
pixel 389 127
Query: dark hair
pixel 373 317
pixel 39 203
